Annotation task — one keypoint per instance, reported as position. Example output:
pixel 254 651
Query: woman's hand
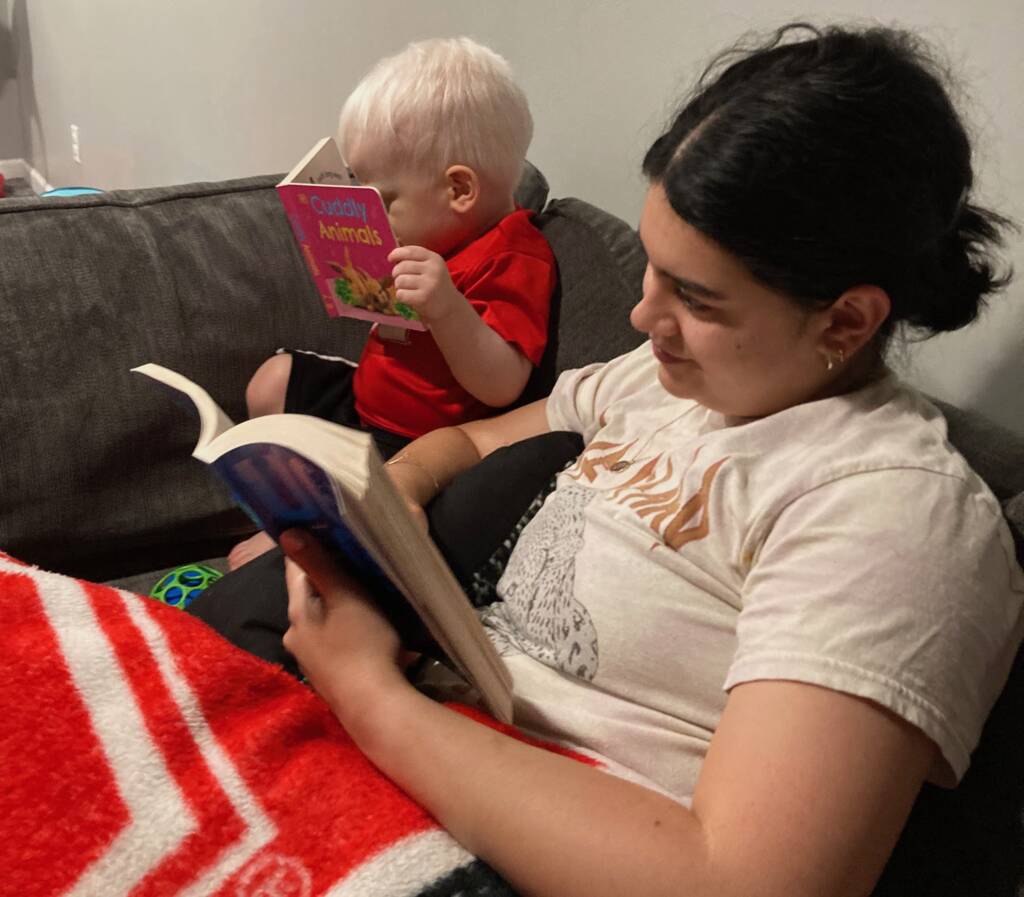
pixel 345 647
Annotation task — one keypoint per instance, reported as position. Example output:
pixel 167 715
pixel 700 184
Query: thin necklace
pixel 624 463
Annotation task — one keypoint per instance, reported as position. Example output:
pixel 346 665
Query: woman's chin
pixel 678 385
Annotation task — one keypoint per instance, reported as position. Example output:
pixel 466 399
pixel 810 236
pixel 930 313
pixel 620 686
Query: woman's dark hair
pixel 832 160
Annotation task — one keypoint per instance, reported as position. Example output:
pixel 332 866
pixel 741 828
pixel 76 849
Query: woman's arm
pixel 427 465
pixel 803 792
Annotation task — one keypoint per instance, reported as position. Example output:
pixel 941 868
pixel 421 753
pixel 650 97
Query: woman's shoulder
pixel 884 447
pixel 893 426
pixel 887 425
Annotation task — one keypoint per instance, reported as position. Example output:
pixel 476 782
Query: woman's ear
pixel 463 186
pixel 854 318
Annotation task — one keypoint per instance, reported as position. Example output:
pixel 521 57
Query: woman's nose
pixel 640 313
pixel 649 315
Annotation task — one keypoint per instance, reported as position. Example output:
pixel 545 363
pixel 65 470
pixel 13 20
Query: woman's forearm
pixel 549 824
pixel 425 466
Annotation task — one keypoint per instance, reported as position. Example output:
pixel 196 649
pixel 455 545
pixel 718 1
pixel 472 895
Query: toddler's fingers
pixel 408 267
pixel 407 282
pixel 411 253
pixel 413 298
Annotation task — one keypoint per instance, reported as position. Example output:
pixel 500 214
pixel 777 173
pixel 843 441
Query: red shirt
pixel 508 275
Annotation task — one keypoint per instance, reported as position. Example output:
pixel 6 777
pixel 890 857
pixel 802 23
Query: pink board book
pixel 345 237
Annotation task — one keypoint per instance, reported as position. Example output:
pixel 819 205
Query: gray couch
pixel 95 474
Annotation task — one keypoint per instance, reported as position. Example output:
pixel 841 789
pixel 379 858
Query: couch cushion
pixel 601 267
pixel 532 191
pixel 600 270
pixel 997 454
pixel 95 477
pixel 95 474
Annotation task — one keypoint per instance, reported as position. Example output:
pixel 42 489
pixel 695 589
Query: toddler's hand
pixel 423 283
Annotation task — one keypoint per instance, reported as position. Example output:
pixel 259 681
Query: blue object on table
pixel 71 191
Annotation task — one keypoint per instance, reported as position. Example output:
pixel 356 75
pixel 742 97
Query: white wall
pixel 209 89
pixel 12 141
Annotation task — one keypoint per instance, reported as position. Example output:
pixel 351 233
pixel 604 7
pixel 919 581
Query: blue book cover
pixel 280 489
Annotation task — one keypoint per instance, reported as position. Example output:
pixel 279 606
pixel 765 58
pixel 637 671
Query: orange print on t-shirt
pixel 676 519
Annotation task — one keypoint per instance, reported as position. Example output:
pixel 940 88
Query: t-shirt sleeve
pixel 581 396
pixel 900 586
pixel 512 293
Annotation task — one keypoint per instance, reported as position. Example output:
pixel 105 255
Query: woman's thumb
pixel 311 556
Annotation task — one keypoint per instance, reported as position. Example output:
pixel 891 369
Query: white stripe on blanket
pixel 406 868
pixel 160 818
pixel 260 831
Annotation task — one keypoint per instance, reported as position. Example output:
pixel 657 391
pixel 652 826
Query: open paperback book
pixel 293 470
pixel 345 237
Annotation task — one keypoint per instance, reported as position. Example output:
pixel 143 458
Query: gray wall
pixel 209 89
pixel 12 139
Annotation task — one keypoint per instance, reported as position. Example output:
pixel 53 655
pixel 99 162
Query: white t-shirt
pixel 841 542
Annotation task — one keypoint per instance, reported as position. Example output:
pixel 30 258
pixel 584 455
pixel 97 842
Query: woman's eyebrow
pixel 690 286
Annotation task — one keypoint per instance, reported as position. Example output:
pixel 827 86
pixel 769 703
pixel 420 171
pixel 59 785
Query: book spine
pixel 301 221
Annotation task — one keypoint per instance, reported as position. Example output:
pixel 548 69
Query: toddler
pixel 441 130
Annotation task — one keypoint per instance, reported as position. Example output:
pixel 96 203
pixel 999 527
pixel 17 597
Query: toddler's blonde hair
pixel 439 103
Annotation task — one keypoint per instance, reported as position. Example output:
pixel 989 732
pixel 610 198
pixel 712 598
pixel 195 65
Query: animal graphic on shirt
pixel 654 490
pixel 539 614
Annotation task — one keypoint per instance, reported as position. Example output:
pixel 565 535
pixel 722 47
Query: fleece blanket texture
pixel 144 755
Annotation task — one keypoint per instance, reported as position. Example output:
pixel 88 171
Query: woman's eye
pixel 689 301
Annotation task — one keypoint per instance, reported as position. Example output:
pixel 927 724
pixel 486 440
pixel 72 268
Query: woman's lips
pixel 667 357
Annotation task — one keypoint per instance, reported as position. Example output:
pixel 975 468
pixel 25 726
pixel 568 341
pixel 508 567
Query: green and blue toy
pixel 184 584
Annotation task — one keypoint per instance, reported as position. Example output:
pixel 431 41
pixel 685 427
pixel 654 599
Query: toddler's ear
pixel 463 187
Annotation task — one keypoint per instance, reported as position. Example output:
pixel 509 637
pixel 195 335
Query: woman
pixel 768 593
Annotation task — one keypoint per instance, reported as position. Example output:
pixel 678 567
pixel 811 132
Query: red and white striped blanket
pixel 144 755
